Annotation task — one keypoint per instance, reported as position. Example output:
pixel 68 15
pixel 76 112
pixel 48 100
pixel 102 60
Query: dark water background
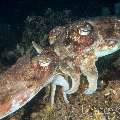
pixel 14 12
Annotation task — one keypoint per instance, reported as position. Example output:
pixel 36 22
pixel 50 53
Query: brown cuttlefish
pixel 81 43
pixel 20 83
pixel 74 50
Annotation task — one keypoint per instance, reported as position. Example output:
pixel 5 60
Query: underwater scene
pixel 59 60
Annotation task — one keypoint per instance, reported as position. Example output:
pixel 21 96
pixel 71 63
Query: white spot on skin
pixel 86 30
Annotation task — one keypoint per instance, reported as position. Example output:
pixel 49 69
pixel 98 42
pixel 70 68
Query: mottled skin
pixel 20 83
pixel 81 43
pixel 74 50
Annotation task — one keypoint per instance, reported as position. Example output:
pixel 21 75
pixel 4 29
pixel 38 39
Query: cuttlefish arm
pixel 61 81
pixel 68 67
pixel 89 69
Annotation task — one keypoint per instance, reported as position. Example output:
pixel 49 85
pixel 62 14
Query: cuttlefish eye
pixel 86 29
pixel 41 61
pixel 44 61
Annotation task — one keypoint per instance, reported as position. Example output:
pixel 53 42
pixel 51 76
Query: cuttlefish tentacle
pixel 59 80
pixel 89 69
pixel 75 77
pixel 75 83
